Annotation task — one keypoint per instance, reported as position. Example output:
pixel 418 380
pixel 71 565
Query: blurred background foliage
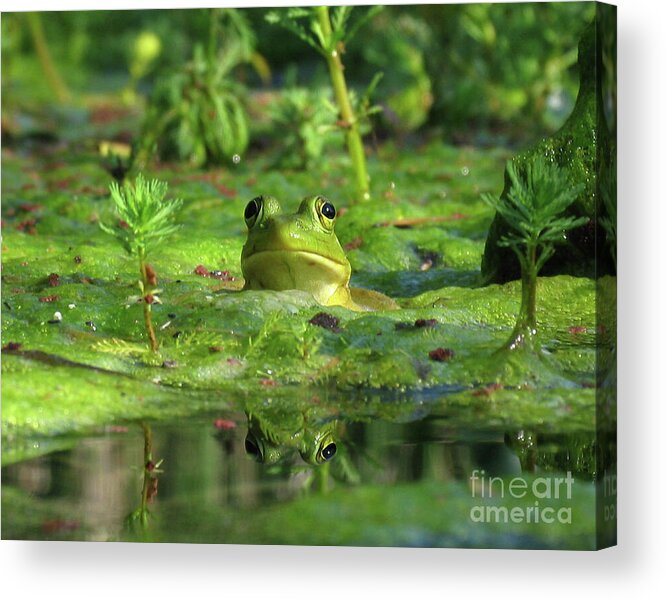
pixel 472 73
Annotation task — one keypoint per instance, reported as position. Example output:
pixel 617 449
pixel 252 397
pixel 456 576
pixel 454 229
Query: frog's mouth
pixel 295 269
pixel 264 258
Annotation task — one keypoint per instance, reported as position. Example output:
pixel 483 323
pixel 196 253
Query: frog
pixel 301 251
pixel 271 438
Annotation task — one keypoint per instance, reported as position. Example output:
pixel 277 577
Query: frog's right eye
pixel 253 210
pixel 328 452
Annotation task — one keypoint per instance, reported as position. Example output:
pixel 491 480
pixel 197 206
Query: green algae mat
pixel 75 353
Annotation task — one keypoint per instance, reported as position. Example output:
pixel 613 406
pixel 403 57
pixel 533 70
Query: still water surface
pixel 242 478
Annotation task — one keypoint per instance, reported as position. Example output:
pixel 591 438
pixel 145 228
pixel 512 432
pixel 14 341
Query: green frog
pixel 300 251
pixel 268 440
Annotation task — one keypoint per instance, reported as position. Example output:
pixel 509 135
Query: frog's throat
pixel 326 278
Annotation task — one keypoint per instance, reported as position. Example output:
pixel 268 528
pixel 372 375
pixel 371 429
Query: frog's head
pixel 295 251
pixel 268 443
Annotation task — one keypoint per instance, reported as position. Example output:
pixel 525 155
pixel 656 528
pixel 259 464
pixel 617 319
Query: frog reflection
pixel 269 440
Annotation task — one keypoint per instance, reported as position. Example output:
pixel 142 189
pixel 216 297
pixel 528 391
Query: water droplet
pixel 236 158
pixel 465 171
pixel 366 196
pixel 392 185
pixel 443 194
pixel 334 53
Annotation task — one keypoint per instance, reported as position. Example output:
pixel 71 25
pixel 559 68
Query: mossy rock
pixel 583 147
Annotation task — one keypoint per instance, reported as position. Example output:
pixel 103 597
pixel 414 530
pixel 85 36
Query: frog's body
pixel 300 251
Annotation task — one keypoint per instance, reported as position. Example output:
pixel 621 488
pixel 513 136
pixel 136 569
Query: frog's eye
pixel 326 212
pixel 252 211
pixel 328 452
pixel 252 449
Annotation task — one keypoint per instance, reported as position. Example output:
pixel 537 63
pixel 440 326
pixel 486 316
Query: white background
pixel 634 569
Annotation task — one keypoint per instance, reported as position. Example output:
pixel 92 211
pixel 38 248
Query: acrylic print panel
pixel 316 276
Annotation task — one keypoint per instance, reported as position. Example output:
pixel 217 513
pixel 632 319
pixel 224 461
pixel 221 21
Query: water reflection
pixel 235 478
pixel 139 518
pixel 268 440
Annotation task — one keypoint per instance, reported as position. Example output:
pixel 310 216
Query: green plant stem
pixel 352 133
pixel 45 60
pixel 529 285
pixel 147 309
pixel 526 324
pixel 147 475
pixel 322 475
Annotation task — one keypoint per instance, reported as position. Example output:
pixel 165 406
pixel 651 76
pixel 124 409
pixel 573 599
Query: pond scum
pixel 474 358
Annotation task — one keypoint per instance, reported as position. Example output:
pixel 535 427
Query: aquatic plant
pixel 198 114
pixel 306 121
pixel 397 44
pixel 534 210
pixel 328 31
pixel 139 518
pixel 145 221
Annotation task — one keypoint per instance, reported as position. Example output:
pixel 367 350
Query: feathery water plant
pixel 198 113
pixel 145 221
pixel 328 31
pixel 307 120
pixel 534 208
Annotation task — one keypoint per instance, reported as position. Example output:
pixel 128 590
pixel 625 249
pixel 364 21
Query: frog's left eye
pixel 326 212
pixel 253 210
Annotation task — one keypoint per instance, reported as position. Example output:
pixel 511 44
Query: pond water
pixel 263 478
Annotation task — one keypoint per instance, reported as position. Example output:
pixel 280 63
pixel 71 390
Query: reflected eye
pixel 329 451
pixel 252 449
pixel 252 210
